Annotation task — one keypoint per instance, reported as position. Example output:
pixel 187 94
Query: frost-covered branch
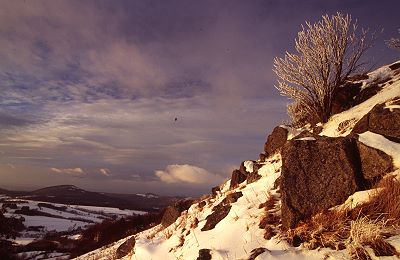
pixel 394 43
pixel 328 52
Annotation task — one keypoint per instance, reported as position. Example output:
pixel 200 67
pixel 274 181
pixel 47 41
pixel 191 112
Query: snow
pixel 293 132
pixel 23 240
pixel 379 75
pixel 249 166
pixel 75 237
pixel 379 142
pixel 107 210
pixel 307 139
pixel 56 224
pixel 358 198
pixel 147 195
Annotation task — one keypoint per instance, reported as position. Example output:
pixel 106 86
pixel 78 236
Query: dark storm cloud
pixel 92 88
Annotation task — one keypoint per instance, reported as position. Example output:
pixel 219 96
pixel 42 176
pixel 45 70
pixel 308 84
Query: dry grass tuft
pixel 269 232
pixel 269 203
pixel 326 229
pixel 384 203
pixel 363 232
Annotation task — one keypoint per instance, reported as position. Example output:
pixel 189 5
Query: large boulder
pixel 275 140
pixel 317 175
pixel 374 163
pixel 125 248
pixel 381 120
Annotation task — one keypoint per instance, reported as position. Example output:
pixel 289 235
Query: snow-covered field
pixel 61 217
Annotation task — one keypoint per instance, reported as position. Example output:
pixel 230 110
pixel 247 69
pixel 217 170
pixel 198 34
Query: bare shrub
pixel 328 52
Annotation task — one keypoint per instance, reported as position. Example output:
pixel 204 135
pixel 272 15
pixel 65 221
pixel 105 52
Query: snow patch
pixel 249 166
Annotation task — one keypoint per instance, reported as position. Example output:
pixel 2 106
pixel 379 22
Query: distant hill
pixel 70 194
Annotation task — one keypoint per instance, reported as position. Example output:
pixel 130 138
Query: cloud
pixel 187 174
pixel 105 172
pixel 69 171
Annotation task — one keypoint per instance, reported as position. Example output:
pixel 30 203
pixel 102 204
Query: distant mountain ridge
pixel 70 194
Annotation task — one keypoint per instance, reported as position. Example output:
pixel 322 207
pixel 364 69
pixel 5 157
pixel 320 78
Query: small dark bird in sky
pixel 176 119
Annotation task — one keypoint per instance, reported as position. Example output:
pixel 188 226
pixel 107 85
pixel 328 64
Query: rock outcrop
pixel 275 140
pixel 241 175
pixel 171 213
pixel 125 248
pixel 374 163
pixel 221 211
pixel 237 178
pixel 317 175
pixel 204 254
pixel 381 120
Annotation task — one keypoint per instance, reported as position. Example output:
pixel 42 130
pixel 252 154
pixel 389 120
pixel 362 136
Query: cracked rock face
pixel 374 163
pixel 381 120
pixel 317 175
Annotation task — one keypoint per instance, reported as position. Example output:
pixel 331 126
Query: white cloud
pixel 70 171
pixel 187 174
pixel 105 172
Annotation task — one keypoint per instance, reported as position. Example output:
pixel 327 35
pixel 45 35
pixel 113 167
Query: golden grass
pixel 367 224
pixel 384 203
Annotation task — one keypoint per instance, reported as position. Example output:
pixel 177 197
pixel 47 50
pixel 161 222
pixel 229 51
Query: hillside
pixel 70 194
pixel 329 191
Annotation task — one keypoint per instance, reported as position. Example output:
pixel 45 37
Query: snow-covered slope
pixel 233 238
pixel 390 90
pixel 238 235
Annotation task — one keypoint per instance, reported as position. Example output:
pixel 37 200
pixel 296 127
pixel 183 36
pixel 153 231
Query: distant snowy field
pixel 61 218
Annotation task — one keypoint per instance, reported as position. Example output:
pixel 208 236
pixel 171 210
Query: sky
pixel 141 96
